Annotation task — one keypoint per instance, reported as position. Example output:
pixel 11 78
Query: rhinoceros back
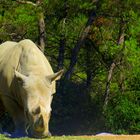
pixel 24 57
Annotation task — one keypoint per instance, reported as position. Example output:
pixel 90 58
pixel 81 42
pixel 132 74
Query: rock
pixel 104 133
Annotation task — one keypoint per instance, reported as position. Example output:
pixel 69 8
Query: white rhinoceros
pixel 27 85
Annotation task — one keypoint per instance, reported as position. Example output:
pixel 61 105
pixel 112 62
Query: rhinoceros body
pixel 27 83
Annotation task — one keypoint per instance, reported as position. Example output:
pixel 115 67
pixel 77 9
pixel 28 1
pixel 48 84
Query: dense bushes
pixel 123 113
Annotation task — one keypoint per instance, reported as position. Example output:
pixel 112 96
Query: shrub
pixel 123 113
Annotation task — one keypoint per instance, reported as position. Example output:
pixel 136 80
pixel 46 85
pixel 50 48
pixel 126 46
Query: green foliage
pixel 122 113
pixel 20 24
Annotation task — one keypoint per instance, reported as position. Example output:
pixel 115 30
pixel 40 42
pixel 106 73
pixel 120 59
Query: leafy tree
pixel 97 43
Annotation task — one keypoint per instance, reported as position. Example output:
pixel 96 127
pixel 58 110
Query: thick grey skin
pixel 27 83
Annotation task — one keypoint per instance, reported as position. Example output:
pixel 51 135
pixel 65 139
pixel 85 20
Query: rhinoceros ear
pixel 55 76
pixel 20 77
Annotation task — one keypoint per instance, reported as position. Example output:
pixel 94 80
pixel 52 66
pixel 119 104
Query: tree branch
pixel 27 2
pixel 80 42
pixel 78 45
pixel 115 62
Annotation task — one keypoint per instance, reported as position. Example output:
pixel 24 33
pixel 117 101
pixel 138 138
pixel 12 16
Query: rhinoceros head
pixel 37 94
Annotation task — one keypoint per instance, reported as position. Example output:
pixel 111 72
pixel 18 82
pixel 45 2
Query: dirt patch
pixel 115 137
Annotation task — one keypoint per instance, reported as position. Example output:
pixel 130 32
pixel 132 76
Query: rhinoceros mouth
pixel 35 134
pixel 39 135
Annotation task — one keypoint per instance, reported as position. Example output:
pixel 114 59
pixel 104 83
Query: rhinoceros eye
pixel 36 111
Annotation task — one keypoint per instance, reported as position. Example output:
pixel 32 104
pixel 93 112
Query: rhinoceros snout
pixel 43 135
pixel 39 134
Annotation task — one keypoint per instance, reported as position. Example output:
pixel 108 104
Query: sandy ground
pixel 116 137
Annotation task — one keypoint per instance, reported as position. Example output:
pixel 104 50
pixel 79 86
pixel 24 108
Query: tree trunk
pixel 81 41
pixel 61 53
pixel 121 81
pixel 41 22
pixel 78 45
pixel 89 68
pixel 116 61
pixel 107 90
pixel 42 35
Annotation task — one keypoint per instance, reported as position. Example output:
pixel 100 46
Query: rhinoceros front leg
pixel 17 115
